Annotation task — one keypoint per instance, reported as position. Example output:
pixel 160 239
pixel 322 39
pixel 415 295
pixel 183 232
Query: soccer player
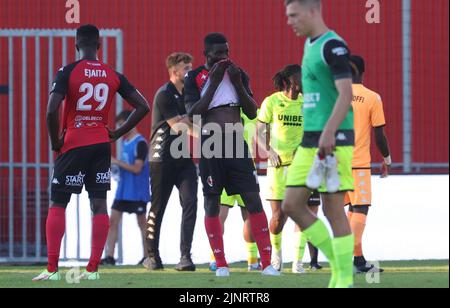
pixel 167 170
pixel 88 87
pixel 280 129
pixel 133 191
pixel 328 139
pixel 368 110
pixel 228 202
pixel 217 92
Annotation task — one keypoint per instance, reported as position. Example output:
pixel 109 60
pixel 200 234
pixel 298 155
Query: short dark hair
pixel 88 36
pixel 123 116
pixel 358 65
pixel 316 2
pixel 215 38
pixel 178 57
pixel 281 79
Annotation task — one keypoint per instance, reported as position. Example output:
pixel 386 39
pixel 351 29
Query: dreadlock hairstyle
pixel 281 79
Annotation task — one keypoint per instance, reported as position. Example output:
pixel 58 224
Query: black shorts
pixel 131 207
pixel 236 175
pixel 314 200
pixel 87 166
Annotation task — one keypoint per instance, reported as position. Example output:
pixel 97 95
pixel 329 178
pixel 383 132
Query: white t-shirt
pixel 225 94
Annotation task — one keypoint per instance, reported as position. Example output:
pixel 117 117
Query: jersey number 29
pixel 99 92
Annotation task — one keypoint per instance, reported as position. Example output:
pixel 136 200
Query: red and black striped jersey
pixel 89 88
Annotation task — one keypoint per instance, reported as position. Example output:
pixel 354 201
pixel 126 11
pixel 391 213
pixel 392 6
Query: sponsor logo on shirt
pixel 311 100
pixel 88 118
pixel 80 121
pixel 339 51
pixel 290 120
pixel 210 181
pixel 341 137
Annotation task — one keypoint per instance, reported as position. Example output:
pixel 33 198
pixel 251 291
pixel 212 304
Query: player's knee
pixel 114 222
pixel 98 207
pixel 334 213
pixel 142 223
pixel 362 209
pixel 58 205
pixel 252 202
pixel 60 199
pixel 190 205
pixel 212 206
pixel 278 216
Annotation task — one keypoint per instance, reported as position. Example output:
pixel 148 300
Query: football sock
pixel 358 225
pixel 260 230
pixel 343 252
pixel 276 240
pixel 314 253
pixel 214 232
pixel 319 236
pixel 55 229
pixel 252 253
pixel 100 229
pixel 300 245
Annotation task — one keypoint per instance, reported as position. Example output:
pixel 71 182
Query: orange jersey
pixel 368 112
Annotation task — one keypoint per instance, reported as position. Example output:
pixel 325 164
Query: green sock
pixel 343 252
pixel 300 245
pixel 275 239
pixel 252 253
pixel 319 236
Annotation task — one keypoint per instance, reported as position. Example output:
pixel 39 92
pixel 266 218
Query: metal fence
pixel 25 172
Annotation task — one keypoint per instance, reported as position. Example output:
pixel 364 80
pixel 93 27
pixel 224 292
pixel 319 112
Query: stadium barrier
pixel 25 175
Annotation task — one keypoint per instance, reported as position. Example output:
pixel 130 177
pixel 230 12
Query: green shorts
pixel 303 162
pixel 277 178
pixel 231 201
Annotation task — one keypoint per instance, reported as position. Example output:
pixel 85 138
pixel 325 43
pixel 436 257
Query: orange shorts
pixel 363 188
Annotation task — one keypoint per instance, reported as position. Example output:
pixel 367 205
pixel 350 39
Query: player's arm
pixel 179 124
pixel 241 84
pixel 182 124
pixel 137 101
pixel 383 147
pixel 336 54
pixel 378 122
pixel 195 104
pixel 142 152
pixel 57 95
pixel 54 103
pixel 263 136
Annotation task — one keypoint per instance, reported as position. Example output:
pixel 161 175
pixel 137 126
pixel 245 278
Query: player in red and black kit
pixel 84 147
pixel 217 92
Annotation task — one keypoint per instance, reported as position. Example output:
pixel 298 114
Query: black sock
pixel 314 253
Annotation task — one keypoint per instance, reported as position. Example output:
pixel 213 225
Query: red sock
pixel 100 228
pixel 55 229
pixel 260 230
pixel 214 233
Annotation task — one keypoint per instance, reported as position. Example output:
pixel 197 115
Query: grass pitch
pixel 399 274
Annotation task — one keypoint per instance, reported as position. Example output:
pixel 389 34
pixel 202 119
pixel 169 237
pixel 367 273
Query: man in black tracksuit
pixel 168 171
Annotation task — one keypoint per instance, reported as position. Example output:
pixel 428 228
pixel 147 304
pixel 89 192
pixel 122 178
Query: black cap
pixel 358 64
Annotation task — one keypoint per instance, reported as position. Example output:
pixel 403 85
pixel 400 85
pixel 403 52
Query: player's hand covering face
pixel 235 74
pixel 218 71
